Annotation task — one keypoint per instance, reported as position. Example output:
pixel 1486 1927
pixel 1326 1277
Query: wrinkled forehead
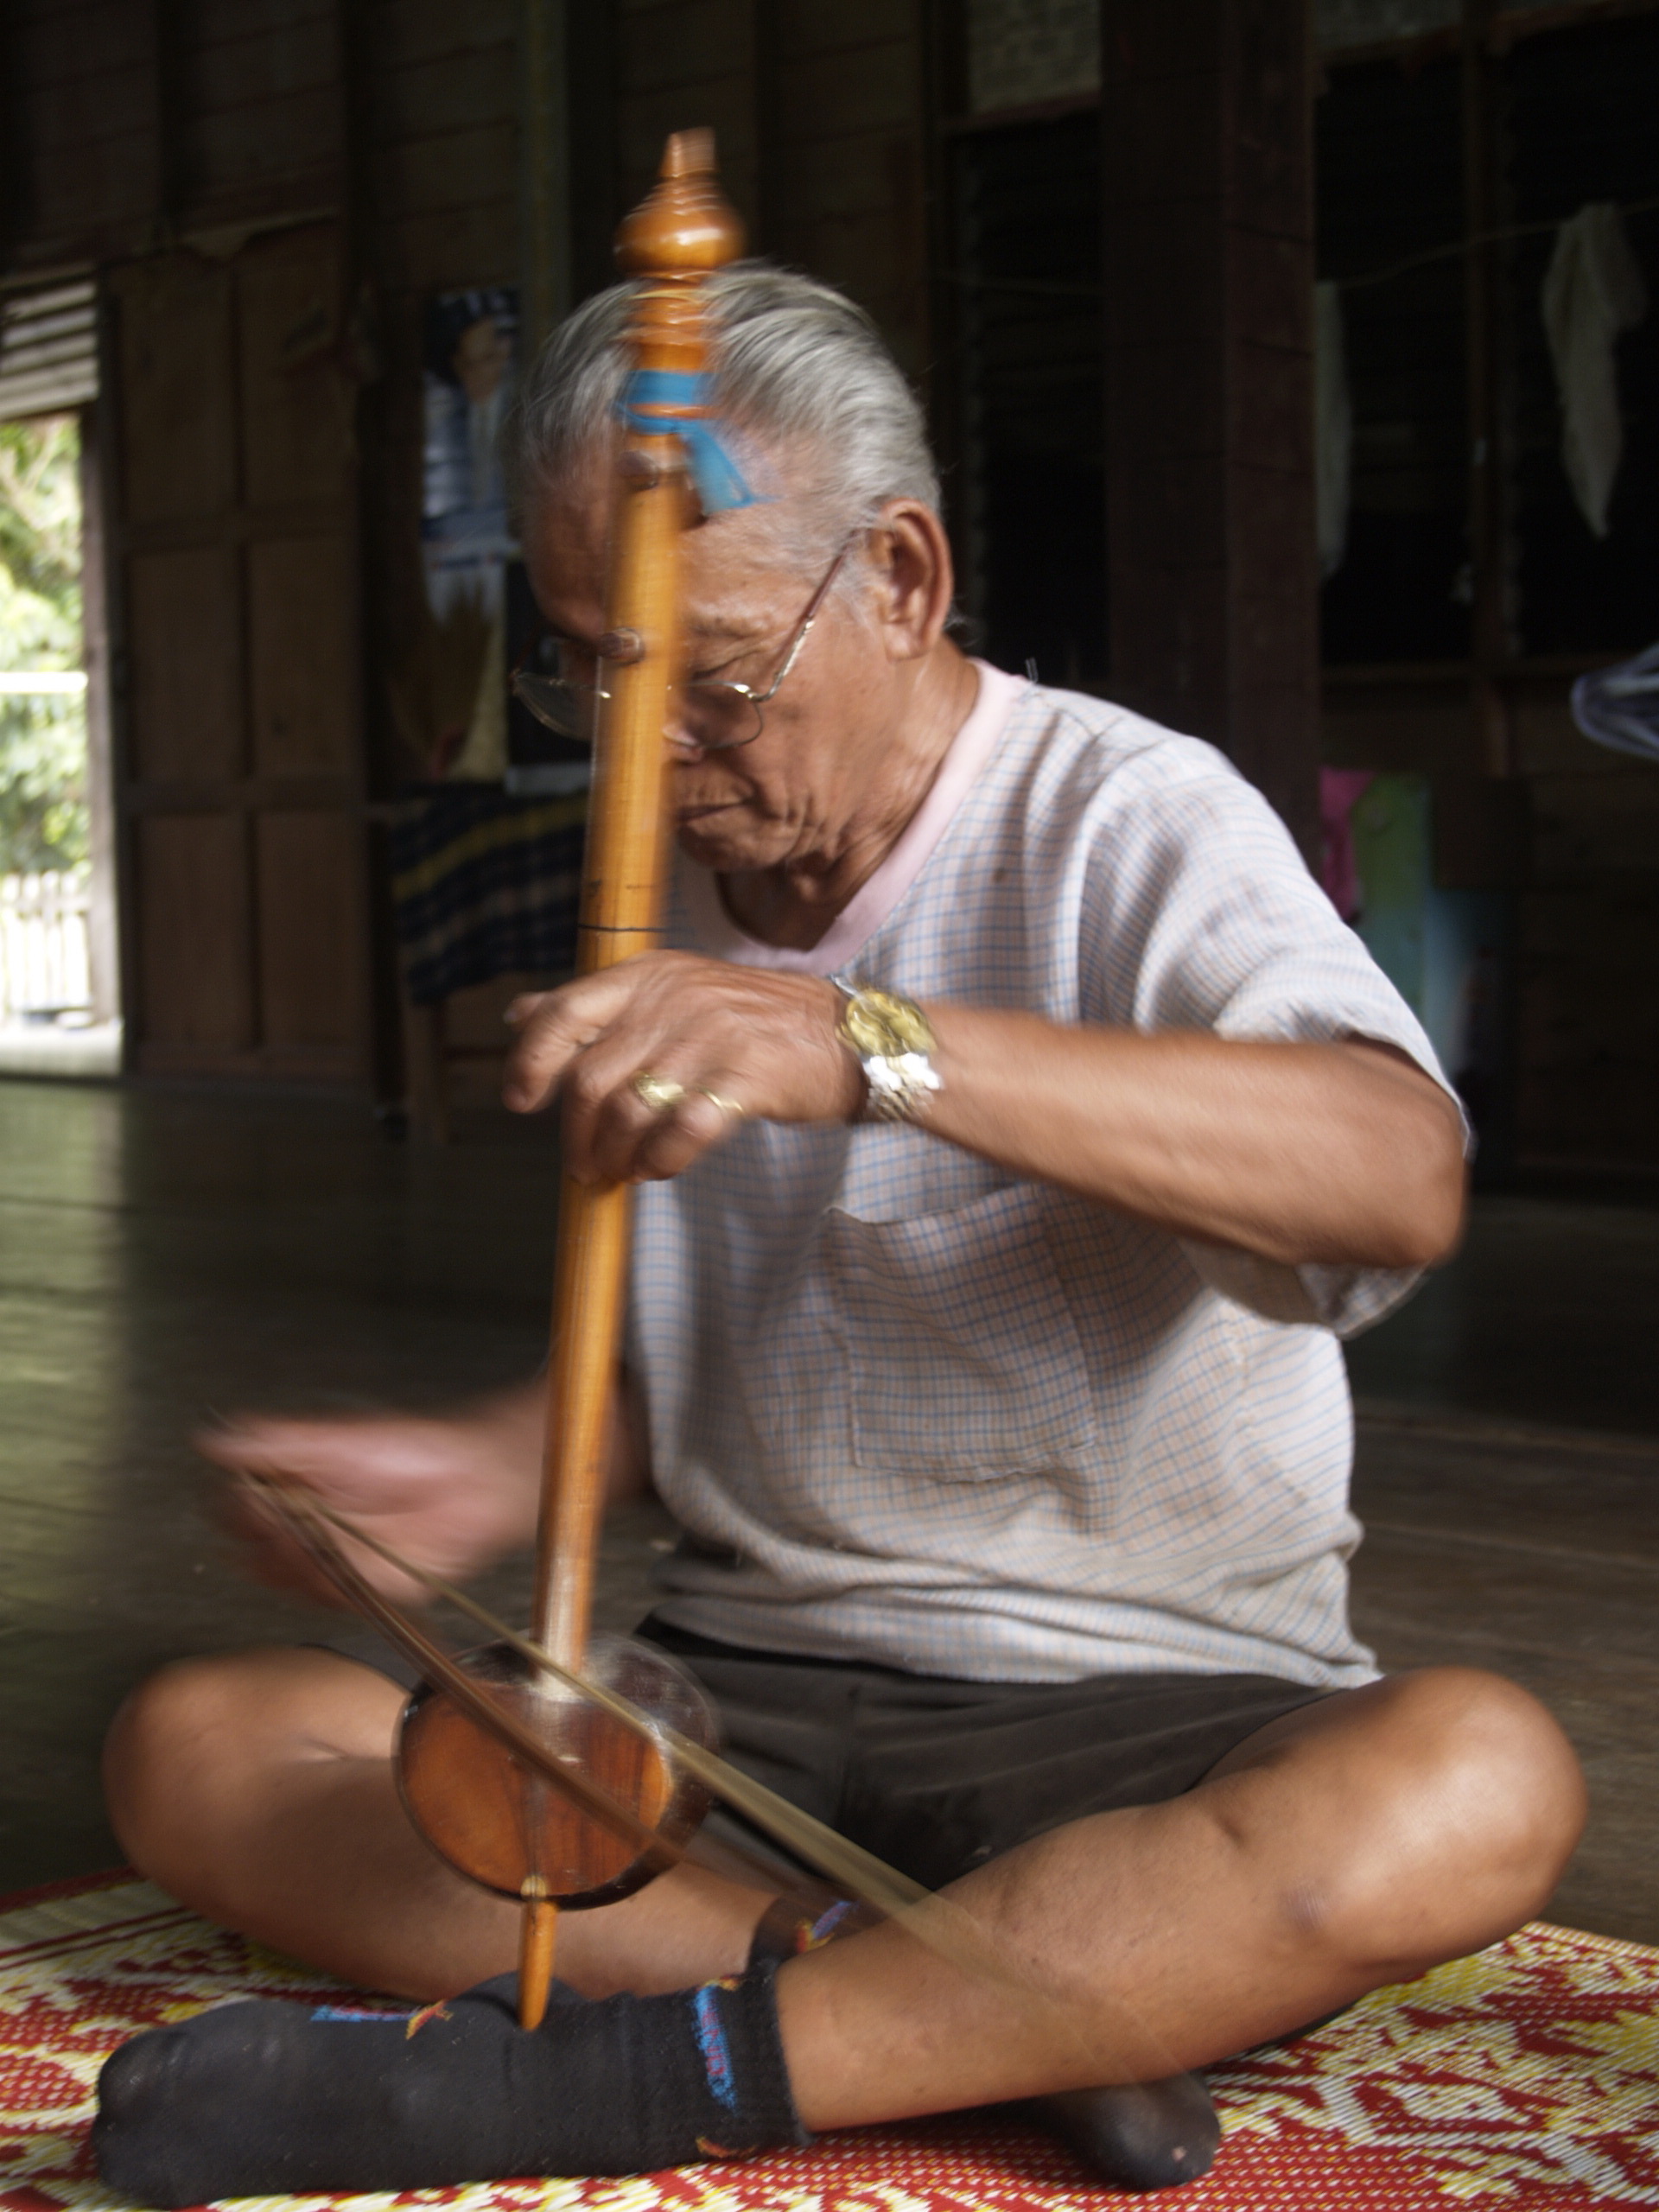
pixel 735 579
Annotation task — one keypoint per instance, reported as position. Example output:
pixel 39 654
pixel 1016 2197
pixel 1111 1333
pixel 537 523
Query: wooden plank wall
pixel 133 128
pixel 84 168
pixel 1572 831
pixel 172 143
pixel 848 142
pixel 445 133
pixel 821 108
pixel 132 114
pixel 256 94
pixel 178 144
pixel 234 543
pixel 1209 382
pixel 677 61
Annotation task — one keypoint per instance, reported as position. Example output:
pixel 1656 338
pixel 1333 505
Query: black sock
pixel 259 2099
pixel 1143 2135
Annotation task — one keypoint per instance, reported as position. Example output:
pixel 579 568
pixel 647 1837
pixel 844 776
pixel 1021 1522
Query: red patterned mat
pixel 1526 2076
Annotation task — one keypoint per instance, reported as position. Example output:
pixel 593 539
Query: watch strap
pixel 892 1040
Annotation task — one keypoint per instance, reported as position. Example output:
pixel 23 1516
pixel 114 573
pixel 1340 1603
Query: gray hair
pixel 799 370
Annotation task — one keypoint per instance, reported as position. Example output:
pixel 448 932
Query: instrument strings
pixel 1137 2053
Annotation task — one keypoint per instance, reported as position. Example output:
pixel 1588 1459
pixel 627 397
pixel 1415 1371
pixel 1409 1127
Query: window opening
pixel 1582 135
pixel 59 994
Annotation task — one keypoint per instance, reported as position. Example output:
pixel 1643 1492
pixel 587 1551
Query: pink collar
pixel 870 906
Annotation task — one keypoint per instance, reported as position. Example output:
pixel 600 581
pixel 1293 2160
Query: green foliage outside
pixel 42 739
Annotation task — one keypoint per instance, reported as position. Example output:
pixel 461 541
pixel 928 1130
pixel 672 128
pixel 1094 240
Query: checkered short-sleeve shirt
pixel 914 1409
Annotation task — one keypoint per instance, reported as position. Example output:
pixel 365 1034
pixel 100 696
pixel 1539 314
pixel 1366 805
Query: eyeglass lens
pixel 713 715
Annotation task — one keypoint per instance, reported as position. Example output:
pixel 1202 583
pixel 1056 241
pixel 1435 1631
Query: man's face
pixel 787 796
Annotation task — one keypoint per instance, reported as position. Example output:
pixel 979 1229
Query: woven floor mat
pixel 1528 2075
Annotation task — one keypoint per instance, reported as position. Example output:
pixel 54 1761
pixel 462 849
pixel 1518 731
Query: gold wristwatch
pixel 891 1040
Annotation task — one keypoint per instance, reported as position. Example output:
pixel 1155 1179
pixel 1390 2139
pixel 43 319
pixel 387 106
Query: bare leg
pixel 1351 1844
pixel 258 1788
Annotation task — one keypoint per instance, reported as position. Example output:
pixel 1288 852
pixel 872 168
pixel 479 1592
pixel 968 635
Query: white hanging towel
pixel 1593 290
pixel 1333 427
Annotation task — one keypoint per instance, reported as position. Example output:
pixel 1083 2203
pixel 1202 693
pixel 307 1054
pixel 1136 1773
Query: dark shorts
pixel 937 1775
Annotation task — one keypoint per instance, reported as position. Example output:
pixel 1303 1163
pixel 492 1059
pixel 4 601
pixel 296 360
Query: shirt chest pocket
pixel 963 1357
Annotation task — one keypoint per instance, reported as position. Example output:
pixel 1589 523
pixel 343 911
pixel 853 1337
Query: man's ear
pixel 916 577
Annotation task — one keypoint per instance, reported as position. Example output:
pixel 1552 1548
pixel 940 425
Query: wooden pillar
pixel 102 928
pixel 1213 576
pixel 590 75
pixel 375 494
pixel 174 123
pixel 1491 639
pixel 16 162
pixel 544 287
pixel 764 75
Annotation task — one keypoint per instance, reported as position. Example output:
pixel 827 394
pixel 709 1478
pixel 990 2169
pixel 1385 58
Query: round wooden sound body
pixel 503 1824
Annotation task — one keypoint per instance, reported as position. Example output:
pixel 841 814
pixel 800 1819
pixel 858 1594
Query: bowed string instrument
pixel 495 1820
pixel 557 1769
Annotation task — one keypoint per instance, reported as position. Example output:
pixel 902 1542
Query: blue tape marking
pixel 346 2012
pixel 824 1925
pixel 719 480
pixel 711 2041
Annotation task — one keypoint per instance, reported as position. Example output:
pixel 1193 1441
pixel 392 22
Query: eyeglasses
pixel 707 715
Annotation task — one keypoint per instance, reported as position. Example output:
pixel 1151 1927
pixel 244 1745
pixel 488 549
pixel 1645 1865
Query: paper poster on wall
pixel 471 345
pixel 466 541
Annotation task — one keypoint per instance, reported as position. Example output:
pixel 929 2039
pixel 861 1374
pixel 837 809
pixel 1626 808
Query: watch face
pixel 879 1023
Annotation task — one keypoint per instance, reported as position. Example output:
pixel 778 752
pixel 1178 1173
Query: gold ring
pixel 732 1106
pixel 660 1092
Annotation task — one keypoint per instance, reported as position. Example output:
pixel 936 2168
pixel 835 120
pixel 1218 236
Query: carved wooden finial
pixel 689 153
pixel 685 225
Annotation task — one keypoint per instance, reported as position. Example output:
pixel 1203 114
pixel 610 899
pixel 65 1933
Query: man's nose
pixel 680 741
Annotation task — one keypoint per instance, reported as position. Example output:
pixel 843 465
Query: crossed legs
pixel 1352 1843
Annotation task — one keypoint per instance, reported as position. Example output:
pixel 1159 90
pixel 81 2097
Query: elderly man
pixel 997 1389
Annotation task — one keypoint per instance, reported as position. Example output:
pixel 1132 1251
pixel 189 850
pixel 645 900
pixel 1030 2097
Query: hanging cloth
pixel 1593 290
pixel 1333 427
pixel 1620 707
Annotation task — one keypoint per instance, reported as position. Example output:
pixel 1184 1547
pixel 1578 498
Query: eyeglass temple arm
pixel 815 606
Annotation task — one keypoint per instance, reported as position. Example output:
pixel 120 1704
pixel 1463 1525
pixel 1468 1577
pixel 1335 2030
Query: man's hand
pixel 452 1495
pixel 738 1040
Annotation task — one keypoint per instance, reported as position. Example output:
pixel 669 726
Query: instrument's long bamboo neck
pixel 621 910
pixel 678 234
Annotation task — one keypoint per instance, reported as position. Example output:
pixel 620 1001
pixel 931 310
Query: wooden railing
pixel 44 952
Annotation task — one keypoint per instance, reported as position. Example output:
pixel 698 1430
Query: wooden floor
pixel 1537 1554
pixel 166 1256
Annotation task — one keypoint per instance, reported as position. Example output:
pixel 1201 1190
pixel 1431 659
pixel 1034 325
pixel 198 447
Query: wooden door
pixel 240 784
